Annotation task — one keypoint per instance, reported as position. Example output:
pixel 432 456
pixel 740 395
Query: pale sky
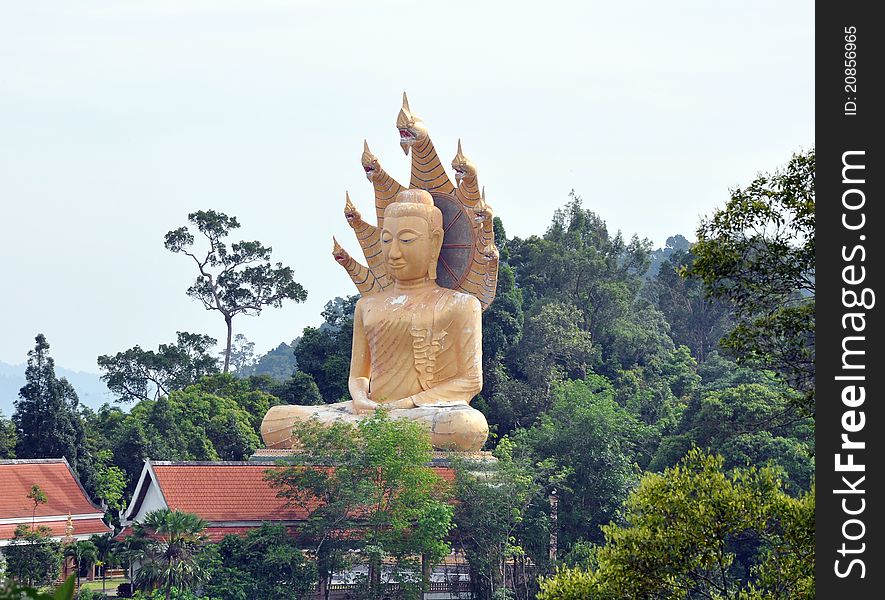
pixel 118 118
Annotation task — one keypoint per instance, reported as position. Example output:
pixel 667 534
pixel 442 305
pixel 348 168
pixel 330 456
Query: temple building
pixel 232 497
pixel 68 512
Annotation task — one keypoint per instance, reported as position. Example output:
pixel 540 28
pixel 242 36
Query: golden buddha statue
pixel 417 345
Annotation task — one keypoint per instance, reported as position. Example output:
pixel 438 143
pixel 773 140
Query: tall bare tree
pixel 236 279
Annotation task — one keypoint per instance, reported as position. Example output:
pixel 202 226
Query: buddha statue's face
pixel 410 248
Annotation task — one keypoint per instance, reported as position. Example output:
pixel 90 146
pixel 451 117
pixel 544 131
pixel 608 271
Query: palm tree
pixel 104 544
pixel 169 558
pixel 84 552
pixel 128 550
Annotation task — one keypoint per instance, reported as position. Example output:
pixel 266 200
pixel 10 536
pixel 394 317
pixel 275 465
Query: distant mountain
pixel 90 388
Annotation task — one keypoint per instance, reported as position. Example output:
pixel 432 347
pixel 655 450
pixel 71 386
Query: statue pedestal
pixel 269 455
pixel 478 461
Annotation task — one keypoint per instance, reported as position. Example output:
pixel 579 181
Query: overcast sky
pixel 118 118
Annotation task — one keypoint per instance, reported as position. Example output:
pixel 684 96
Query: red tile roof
pixel 57 528
pixel 233 492
pixel 230 492
pixel 63 493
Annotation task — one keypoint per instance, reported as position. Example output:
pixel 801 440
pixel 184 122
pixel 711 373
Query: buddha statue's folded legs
pixel 453 427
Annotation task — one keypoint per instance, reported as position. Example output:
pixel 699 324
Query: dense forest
pixel 647 391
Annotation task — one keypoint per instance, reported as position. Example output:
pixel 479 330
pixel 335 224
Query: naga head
pixel 338 253
pixel 370 162
pixel 490 253
pixel 350 212
pixel 462 165
pixel 482 212
pixel 411 128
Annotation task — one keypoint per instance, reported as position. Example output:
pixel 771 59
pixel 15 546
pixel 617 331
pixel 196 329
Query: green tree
pixel 639 338
pixel 38 497
pixel 33 557
pixel 573 583
pixel 697 531
pixel 696 320
pixel 757 254
pixel 578 263
pixel 9 590
pixel 104 554
pixel 47 414
pixel 749 424
pixel 171 541
pixel 265 565
pixel 493 518
pixel 110 481
pixel 176 594
pixel 195 425
pixel 324 352
pixel 242 355
pixel 128 550
pixel 300 389
pixel 373 478
pixel 719 372
pixel 216 419
pixel 84 553
pixel 130 441
pixel 553 347
pixel 598 441
pixel 246 393
pixel 236 280
pixel 502 322
pixel 8 438
pixel 333 497
pixel 515 404
pixel 658 393
pixel 137 374
pixel 278 363
pixel 674 244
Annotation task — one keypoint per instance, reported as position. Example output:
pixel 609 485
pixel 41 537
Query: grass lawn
pixel 110 584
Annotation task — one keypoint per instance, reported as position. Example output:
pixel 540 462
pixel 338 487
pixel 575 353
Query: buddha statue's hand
pixel 361 404
pixel 407 402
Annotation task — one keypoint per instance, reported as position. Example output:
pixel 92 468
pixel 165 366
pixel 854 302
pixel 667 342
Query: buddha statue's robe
pixel 422 354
